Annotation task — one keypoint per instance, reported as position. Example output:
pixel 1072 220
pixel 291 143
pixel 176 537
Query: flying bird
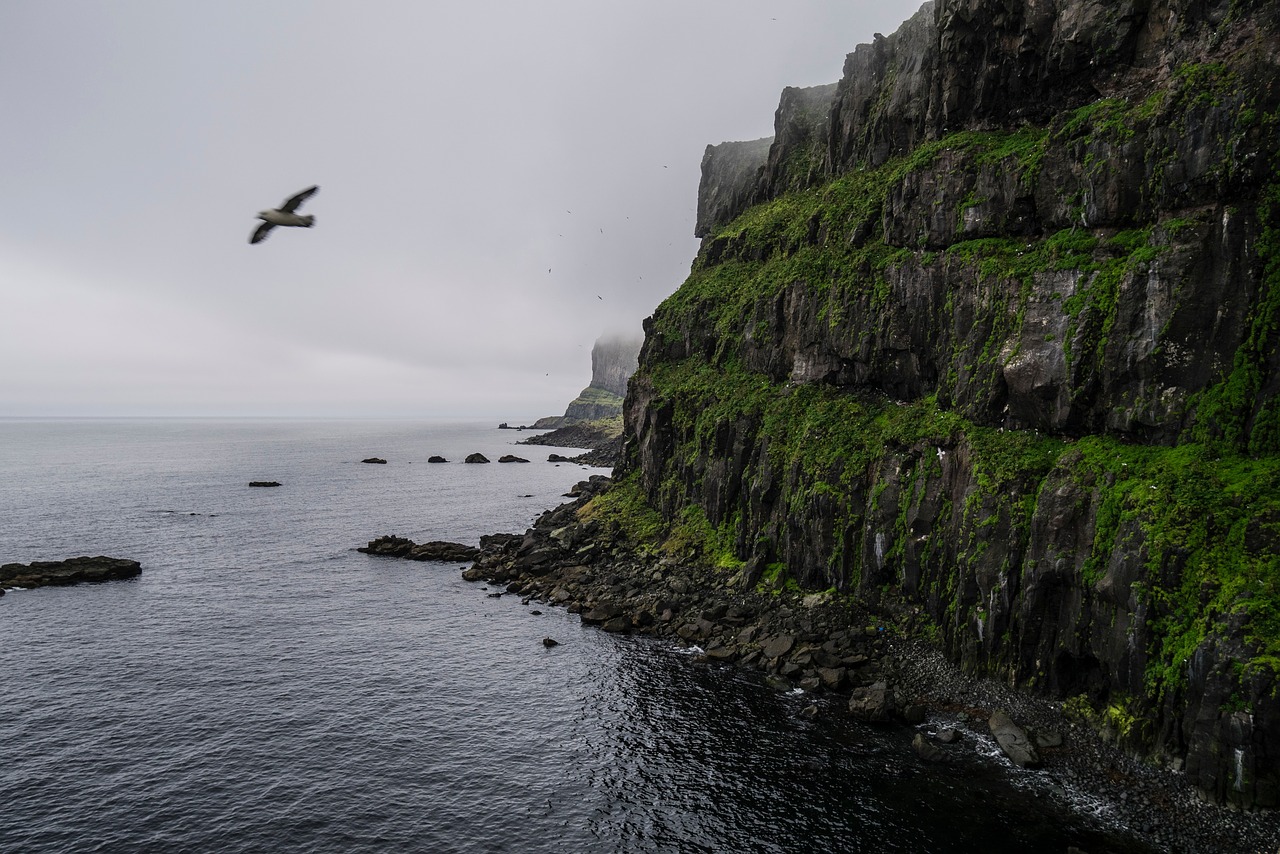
pixel 284 215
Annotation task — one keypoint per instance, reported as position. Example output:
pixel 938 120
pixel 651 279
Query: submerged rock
pixel 476 458
pixel 375 460
pixel 264 483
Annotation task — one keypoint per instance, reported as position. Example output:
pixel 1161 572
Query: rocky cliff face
pixel 987 334
pixel 613 361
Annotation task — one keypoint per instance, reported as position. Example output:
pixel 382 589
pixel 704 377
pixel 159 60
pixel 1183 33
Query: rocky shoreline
pixel 856 664
pixel 604 443
pixel 74 570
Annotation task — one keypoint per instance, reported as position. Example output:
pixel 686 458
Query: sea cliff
pixel 985 337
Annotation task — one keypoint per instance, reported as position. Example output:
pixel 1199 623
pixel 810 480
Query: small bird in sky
pixel 284 215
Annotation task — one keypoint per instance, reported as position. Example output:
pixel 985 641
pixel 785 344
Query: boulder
pixel 926 749
pixel 557 458
pixel 264 483
pixel 476 458
pixel 511 458
pixel 375 460
pixel 1013 740
pixel 873 703
pixel 436 459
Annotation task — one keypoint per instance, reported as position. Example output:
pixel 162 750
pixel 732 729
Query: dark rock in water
pixel 476 458
pixel 511 458
pixel 550 642
pixel 437 550
pixel 436 459
pixel 948 735
pixel 264 483
pixel 557 458
pixel 872 703
pixel 72 571
pixel 389 546
pixel 443 552
pixel 1013 741
pixel 376 460
pixel 926 749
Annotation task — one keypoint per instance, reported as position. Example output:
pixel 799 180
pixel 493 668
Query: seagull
pixel 284 215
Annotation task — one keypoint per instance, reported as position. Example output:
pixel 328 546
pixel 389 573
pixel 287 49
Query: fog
pixel 500 184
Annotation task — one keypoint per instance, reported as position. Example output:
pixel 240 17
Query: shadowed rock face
pixel 1021 313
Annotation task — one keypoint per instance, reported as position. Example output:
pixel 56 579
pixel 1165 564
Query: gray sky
pixel 463 149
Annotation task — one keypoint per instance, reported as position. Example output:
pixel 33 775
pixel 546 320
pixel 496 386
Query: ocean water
pixel 263 687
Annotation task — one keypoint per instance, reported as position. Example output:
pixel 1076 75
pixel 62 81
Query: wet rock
pixel 509 458
pixel 1013 740
pixel 550 642
pixel 926 749
pixel 476 458
pixel 264 483
pixel 872 703
pixel 435 458
pixel 74 570
pixel 374 460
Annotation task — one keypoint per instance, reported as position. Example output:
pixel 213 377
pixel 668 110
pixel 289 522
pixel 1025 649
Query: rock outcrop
pixel 74 570
pixel 986 336
pixel 436 550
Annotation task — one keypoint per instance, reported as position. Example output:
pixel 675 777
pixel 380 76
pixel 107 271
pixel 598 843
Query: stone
pixel 872 703
pixel 778 646
pixel 510 458
pixel 926 749
pixel 374 460
pixel 476 458
pixel 550 642
pixel 1013 740
pixel 436 458
pixel 264 483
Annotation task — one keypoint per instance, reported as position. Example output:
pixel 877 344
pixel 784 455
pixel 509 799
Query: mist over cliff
pixel 986 335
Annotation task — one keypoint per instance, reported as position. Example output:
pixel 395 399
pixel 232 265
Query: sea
pixel 264 687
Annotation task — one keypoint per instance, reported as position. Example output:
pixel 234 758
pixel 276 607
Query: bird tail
pixel 311 220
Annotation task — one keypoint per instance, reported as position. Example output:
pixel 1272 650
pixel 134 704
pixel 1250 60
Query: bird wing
pixel 261 233
pixel 292 203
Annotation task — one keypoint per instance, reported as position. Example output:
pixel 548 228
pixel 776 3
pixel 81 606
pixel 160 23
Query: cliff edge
pixel 986 336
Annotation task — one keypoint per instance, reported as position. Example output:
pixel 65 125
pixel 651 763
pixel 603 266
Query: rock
pixel 1048 739
pixel 476 458
pixel 511 458
pixel 914 713
pixel 264 483
pixel 557 458
pixel 778 646
pixel 443 552
pixel 549 642
pixel 71 571
pixel 925 749
pixel 872 703
pixel 1013 740
pixel 374 460
pixel 617 625
pixel 948 735
pixel 436 459
pixel 437 550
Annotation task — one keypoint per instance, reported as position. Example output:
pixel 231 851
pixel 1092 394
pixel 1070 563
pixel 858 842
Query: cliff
pixel 986 336
pixel 613 361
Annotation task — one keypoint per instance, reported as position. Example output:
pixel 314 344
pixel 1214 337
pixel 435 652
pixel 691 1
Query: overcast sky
pixel 500 184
